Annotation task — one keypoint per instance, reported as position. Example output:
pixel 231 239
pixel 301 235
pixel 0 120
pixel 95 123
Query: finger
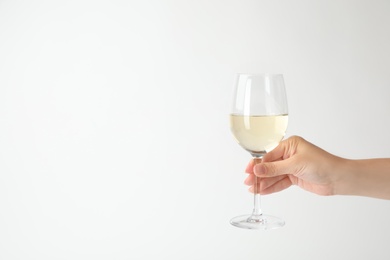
pixel 250 180
pixel 263 183
pixel 253 162
pixel 251 189
pixel 282 167
pixel 249 167
pixel 278 186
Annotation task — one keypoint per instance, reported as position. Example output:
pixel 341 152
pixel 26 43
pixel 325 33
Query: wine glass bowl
pixel 258 121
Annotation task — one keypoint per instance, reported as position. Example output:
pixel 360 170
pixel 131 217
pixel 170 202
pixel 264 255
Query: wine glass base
pixel 262 221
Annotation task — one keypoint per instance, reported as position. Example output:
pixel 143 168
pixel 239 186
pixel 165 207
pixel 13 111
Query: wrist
pixel 346 177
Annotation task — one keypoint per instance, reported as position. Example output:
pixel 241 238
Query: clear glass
pixel 258 121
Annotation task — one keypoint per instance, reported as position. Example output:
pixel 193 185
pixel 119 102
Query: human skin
pixel 296 161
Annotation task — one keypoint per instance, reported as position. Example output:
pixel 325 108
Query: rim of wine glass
pixel 265 74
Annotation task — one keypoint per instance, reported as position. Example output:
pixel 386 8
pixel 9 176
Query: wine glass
pixel 258 121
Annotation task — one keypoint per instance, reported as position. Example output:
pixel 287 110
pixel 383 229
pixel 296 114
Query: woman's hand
pixel 295 162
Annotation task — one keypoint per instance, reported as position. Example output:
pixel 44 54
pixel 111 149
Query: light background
pixel 114 135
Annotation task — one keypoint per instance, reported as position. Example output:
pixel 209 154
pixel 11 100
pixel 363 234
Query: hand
pixel 295 162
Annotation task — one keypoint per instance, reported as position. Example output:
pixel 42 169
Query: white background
pixel 114 135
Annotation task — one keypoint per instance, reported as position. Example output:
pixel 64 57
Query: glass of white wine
pixel 258 121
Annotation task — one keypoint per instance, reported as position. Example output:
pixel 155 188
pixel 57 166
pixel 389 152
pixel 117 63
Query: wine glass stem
pixel 257 198
pixel 257 205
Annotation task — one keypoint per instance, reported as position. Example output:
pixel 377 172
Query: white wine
pixel 258 134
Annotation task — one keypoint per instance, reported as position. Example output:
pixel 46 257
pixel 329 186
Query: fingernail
pixel 259 169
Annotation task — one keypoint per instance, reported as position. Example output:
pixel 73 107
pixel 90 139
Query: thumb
pixel 271 169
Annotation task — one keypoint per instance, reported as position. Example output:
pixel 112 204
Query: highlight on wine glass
pixel 258 121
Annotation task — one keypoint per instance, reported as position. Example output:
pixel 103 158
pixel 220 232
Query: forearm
pixel 370 178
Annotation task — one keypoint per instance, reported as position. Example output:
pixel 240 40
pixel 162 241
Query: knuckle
pixel 270 169
pixel 296 138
